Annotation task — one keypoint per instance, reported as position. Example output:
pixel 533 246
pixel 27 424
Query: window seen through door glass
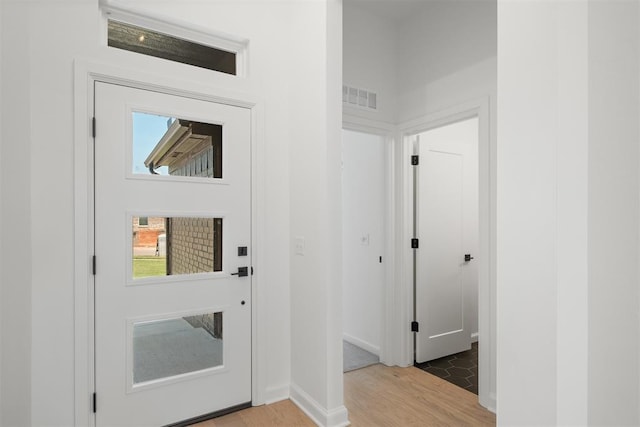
pixel 172 146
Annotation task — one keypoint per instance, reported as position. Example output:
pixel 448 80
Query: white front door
pixel 172 226
pixel 447 224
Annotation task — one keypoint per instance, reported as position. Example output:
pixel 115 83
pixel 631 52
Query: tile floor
pixel 354 357
pixel 460 369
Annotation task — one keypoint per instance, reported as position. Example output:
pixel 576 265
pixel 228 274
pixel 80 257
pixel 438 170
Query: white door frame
pixel 86 72
pixel 486 236
pixel 388 333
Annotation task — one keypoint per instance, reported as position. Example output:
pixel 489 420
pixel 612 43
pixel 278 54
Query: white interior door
pixel 447 224
pixel 172 214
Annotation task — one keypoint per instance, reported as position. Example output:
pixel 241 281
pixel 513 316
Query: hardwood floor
pixel 284 413
pixel 379 396
pixel 392 396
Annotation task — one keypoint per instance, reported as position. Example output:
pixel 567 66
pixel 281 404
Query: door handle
pixel 468 258
pixel 242 272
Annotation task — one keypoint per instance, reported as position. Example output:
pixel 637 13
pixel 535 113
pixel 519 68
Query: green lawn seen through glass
pixel 149 266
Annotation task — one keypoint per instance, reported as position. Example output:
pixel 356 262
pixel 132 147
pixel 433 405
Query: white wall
pixel 371 60
pixel 572 213
pixel 39 44
pixel 614 214
pixel 446 56
pixel 363 208
pixel 527 253
pixel 1 210
pixel 15 244
pixel 315 211
pixel 568 213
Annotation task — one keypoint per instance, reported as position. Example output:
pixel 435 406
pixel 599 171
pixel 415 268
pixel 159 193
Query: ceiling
pixel 396 10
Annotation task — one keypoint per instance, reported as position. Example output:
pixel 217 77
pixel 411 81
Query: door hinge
pixel 95 406
pixel 415 160
pixel 93 265
pixel 252 270
pixel 93 127
pixel 414 243
pixel 414 326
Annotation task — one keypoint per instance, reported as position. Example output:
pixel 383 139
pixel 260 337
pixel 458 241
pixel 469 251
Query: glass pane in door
pixel 170 146
pixel 165 246
pixel 170 347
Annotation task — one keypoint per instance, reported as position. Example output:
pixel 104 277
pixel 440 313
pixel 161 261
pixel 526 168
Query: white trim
pixel 362 344
pixel 337 417
pixel 357 123
pixel 276 394
pixel 389 309
pixel 86 72
pixel 259 320
pixel 493 406
pixel 486 259
pixel 404 253
pixel 83 241
pixel 122 12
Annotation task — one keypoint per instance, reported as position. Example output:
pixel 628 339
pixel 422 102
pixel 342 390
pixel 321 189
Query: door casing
pixel 86 73
pixel 388 332
pixel 386 310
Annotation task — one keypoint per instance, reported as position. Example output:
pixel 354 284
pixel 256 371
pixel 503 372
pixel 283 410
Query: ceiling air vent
pixel 359 98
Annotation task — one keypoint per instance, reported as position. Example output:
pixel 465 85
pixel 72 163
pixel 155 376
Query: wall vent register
pixel 359 98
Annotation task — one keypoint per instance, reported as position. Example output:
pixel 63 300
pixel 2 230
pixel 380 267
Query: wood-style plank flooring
pixel 379 396
pixel 392 396
pixel 283 413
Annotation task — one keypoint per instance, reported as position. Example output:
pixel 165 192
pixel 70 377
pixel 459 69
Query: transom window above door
pixel 153 43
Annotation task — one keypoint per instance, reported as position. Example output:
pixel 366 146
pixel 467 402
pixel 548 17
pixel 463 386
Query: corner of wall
pixel 1 198
pixel 276 394
pixel 315 265
pixel 613 211
pixel 337 417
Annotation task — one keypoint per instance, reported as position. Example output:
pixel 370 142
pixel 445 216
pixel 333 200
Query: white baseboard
pixel 337 417
pixel 474 337
pixel 276 394
pixel 362 344
pixel 489 402
pixel 492 403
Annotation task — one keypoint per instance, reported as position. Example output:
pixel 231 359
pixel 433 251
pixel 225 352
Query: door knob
pixel 468 258
pixel 242 272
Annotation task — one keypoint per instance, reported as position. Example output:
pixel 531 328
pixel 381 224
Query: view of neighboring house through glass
pixel 176 147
